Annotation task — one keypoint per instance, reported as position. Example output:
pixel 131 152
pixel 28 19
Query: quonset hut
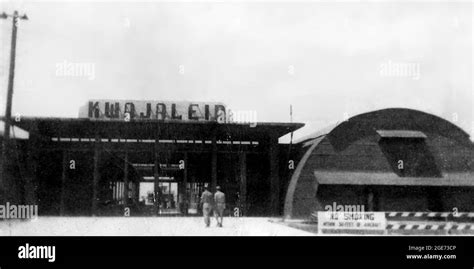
pixel 386 160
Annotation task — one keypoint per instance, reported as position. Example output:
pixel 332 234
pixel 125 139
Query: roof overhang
pixel 400 134
pixel 458 179
pixel 15 132
pixel 145 129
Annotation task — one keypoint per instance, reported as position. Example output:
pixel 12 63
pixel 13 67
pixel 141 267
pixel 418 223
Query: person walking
pixel 219 199
pixel 206 201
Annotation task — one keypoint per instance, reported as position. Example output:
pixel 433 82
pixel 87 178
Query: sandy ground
pixel 178 226
pixel 145 226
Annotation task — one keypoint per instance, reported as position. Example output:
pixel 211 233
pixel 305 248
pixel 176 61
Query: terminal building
pixel 154 158
pixel 385 160
pixel 146 158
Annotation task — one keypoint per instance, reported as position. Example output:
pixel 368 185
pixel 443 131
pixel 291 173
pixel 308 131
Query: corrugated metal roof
pixel 386 178
pixel 401 134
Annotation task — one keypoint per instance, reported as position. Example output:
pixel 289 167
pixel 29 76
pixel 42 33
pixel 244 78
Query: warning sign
pixel 337 220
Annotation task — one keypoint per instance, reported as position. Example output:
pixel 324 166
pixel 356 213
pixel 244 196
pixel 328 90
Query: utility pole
pixel 8 111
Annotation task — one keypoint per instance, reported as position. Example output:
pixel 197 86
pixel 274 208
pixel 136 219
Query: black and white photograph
pixel 315 120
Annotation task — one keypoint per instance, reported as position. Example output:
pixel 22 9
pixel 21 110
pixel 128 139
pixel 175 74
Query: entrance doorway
pixel 167 199
pixel 168 202
pixel 194 191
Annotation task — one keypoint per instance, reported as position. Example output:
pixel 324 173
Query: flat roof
pixel 146 129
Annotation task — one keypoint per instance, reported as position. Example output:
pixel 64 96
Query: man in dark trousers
pixel 219 199
pixel 207 201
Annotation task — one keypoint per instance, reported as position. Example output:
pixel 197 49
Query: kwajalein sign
pixel 339 221
pixel 153 110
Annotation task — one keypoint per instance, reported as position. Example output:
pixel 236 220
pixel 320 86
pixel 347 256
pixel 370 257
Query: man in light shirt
pixel 219 200
pixel 206 201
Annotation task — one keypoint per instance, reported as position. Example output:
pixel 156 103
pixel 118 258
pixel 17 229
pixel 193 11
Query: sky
pixel 329 61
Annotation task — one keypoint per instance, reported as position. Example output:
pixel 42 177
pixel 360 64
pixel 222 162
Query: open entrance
pixel 172 183
pixel 167 198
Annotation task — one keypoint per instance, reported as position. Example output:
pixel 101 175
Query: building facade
pixel 146 158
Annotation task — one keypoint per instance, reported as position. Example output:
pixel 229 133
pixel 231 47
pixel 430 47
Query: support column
pixel 3 175
pixel 370 200
pixel 96 178
pixel 379 199
pixel 156 174
pixel 6 184
pixel 32 166
pixel 125 179
pixel 243 182
pixel 214 165
pixel 274 176
pixel 62 207
pixel 185 183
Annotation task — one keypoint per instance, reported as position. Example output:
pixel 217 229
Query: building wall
pixel 339 195
pixel 363 155
pixel 397 198
pixel 461 199
pixel 450 155
pixel 402 198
